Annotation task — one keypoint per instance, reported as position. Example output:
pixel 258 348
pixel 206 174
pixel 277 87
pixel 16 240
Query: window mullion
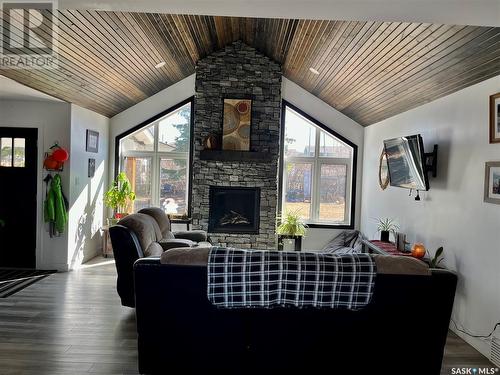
pixel 155 170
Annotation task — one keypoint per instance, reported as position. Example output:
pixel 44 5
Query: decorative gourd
pixel 418 250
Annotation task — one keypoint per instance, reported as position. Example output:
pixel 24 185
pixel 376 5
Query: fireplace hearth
pixel 234 210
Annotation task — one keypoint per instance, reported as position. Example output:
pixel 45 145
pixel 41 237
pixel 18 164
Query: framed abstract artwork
pixel 236 124
pixel 492 182
pixel 495 118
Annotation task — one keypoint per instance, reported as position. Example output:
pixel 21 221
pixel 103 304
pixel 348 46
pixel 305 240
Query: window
pixel 12 152
pixel 156 158
pixel 317 179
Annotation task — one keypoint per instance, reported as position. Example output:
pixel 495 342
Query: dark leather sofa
pixel 403 331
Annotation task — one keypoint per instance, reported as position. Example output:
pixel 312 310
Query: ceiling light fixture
pixel 160 64
pixel 314 71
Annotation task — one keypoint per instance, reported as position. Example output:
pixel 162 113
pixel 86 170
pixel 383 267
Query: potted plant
pixel 385 227
pixel 292 225
pixel 438 257
pixel 119 196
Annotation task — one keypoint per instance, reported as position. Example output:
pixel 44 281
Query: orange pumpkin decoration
pixel 418 250
pixel 50 163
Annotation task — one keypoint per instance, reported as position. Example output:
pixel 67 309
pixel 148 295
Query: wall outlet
pixel 495 349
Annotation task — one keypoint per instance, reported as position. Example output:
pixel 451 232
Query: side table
pixel 386 248
pixel 107 249
pixel 186 221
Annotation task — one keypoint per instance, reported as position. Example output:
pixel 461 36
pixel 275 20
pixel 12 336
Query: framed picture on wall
pixel 91 168
pixel 92 144
pixel 495 118
pixel 236 124
pixel 492 182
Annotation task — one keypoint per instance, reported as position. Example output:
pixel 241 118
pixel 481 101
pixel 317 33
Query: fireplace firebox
pixel 234 210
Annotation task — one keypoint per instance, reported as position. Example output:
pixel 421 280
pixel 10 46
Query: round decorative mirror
pixel 383 172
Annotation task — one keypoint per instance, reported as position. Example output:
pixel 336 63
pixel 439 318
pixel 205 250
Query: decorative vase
pixel 384 235
pixel 210 142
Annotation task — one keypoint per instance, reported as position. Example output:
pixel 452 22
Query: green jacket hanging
pixel 55 212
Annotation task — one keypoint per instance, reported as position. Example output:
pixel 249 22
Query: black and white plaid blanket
pixel 243 278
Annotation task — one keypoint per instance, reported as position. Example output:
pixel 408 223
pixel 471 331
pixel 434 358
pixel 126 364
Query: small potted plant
pixel 385 227
pixel 119 196
pixel 437 258
pixel 292 226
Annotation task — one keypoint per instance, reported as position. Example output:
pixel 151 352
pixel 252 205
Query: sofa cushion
pixel 194 256
pixel 176 242
pixel 193 235
pixel 153 250
pixel 144 227
pixel 400 265
pixel 346 239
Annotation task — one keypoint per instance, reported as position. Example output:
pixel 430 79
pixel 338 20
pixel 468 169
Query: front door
pixel 18 183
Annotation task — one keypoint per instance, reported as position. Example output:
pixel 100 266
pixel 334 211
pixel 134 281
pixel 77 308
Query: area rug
pixel 13 280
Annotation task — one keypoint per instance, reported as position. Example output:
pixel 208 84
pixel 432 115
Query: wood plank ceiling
pixel 367 70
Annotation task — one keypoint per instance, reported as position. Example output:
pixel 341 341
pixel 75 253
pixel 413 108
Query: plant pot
pixel 112 221
pixel 384 235
pixel 120 215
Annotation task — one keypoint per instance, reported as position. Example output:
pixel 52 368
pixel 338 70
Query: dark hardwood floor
pixel 73 323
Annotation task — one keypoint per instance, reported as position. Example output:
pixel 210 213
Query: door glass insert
pixel 6 152
pixel 19 152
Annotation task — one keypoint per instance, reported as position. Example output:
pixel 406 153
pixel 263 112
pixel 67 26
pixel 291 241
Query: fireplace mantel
pixel 241 156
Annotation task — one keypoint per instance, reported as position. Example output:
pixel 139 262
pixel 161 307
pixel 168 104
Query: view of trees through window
pixel 156 160
pixel 317 172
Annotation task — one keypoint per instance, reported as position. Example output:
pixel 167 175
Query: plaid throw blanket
pixel 242 278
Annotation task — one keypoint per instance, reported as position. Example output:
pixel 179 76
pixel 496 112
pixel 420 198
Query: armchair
pixel 171 239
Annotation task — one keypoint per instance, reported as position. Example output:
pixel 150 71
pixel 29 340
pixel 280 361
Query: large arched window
pixel 318 171
pixel 156 158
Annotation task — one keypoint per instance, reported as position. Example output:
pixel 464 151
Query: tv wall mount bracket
pixel 431 161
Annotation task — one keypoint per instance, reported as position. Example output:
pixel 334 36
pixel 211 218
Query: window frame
pixel 156 155
pixel 316 162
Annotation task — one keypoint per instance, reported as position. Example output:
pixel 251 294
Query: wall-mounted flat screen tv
pixel 406 162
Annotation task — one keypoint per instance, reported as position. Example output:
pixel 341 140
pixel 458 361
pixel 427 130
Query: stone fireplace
pixel 237 71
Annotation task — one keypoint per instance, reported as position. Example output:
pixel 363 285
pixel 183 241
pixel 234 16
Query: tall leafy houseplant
pixel 292 225
pixel 385 227
pixel 120 195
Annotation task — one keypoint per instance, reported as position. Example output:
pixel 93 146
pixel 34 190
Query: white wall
pixel 53 123
pixel 86 215
pixel 452 213
pixel 459 12
pixel 66 124
pixel 343 125
pixel 291 92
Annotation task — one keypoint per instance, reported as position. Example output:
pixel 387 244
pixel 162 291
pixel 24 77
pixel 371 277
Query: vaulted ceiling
pixel 367 70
